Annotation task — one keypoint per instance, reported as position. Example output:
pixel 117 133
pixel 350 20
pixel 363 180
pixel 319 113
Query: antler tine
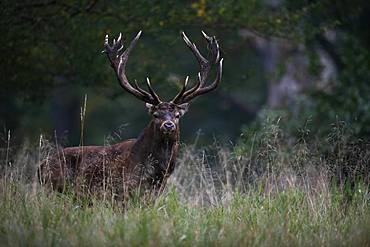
pixel 119 60
pixel 136 86
pixel 127 52
pixel 206 36
pixel 193 48
pixel 196 85
pixel 180 94
pixel 213 47
pixel 151 91
pixel 203 90
pixel 205 67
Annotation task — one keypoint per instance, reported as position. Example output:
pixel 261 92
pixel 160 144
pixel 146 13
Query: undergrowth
pixel 270 189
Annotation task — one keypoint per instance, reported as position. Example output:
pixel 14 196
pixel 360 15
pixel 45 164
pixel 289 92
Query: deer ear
pixel 150 107
pixel 183 108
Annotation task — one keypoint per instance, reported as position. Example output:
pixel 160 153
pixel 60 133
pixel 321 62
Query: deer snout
pixel 168 126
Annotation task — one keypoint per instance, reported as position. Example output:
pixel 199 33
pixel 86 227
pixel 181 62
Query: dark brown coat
pixel 141 164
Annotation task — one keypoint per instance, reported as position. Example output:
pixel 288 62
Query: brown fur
pixel 144 163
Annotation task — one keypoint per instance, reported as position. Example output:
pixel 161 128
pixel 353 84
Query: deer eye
pixel 177 115
pixel 156 114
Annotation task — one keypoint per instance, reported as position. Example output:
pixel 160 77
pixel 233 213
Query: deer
pixel 141 164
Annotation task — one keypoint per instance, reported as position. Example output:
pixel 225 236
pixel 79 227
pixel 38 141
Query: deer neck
pixel 155 148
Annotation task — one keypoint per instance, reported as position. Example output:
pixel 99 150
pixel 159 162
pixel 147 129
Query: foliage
pixel 270 188
pixel 288 218
pixel 348 99
pixel 280 140
pixel 50 45
pixel 51 56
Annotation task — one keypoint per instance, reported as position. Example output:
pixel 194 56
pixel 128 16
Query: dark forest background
pixel 307 61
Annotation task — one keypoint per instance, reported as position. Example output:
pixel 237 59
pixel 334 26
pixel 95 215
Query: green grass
pixel 270 191
pixel 33 217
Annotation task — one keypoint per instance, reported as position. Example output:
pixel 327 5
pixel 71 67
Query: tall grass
pixel 269 190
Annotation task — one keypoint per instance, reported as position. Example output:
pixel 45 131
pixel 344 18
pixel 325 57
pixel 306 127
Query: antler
pixel 118 61
pixel 205 66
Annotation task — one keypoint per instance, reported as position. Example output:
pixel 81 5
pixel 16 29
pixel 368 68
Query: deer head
pixel 166 115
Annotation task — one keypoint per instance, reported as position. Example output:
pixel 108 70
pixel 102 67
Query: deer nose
pixel 169 126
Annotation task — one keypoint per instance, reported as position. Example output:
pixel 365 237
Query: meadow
pixel 268 191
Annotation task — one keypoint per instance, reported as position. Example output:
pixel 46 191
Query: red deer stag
pixel 142 163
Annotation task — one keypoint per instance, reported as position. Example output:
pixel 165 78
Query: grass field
pixel 291 217
pixel 269 195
